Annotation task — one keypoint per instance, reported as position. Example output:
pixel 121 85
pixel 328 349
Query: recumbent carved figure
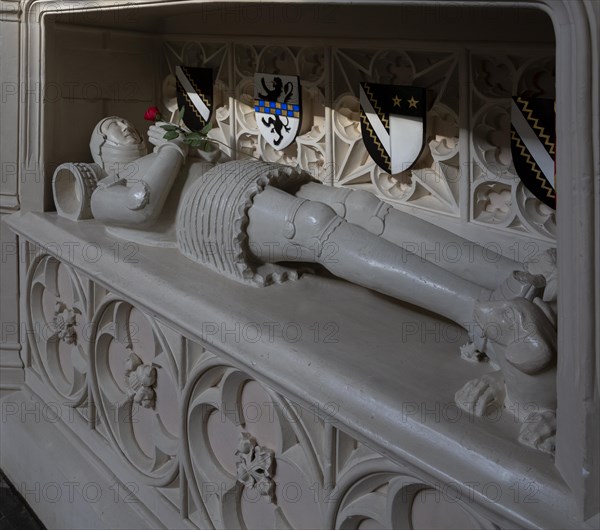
pixel 244 218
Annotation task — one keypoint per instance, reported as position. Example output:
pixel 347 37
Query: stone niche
pixel 118 62
pixel 206 404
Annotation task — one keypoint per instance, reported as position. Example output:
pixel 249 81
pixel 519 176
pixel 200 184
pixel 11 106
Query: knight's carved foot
pixel 470 352
pixel 481 395
pixel 521 333
pixel 545 265
pixel 519 284
pixel 539 431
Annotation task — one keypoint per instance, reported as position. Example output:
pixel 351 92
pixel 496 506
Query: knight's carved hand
pixel 156 137
pixel 480 396
pixel 539 431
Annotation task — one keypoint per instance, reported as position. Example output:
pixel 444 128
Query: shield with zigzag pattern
pixel 195 95
pixel 533 145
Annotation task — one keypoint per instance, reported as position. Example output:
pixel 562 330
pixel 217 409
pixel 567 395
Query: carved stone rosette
pixel 141 380
pixel 255 466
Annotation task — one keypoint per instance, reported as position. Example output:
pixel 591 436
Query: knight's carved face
pixel 115 142
pixel 120 132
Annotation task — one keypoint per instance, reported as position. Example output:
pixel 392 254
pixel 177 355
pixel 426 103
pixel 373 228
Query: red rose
pixel 152 114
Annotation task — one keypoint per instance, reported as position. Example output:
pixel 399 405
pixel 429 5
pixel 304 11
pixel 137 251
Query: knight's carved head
pixel 116 141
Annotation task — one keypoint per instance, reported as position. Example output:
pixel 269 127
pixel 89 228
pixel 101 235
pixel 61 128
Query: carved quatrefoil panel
pixel 247 457
pixel 58 323
pixel 371 494
pixel 135 388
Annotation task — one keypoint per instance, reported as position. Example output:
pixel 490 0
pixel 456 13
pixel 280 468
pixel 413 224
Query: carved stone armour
pixel 213 218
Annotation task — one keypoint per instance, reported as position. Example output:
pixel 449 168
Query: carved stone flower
pixel 255 466
pixel 64 322
pixel 140 379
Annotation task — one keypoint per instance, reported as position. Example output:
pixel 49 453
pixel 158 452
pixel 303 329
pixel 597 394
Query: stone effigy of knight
pixel 252 221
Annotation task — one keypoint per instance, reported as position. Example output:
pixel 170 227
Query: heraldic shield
pixel 533 145
pixel 392 120
pixel 278 107
pixel 195 95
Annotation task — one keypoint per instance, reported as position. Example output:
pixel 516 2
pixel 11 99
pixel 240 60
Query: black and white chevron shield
pixel 533 145
pixel 278 107
pixel 392 120
pixel 195 95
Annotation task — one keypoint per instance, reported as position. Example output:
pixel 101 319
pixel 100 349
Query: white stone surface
pixel 437 456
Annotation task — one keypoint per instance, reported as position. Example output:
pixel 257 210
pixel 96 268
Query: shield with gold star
pixel 392 120
pixel 533 145
pixel 195 95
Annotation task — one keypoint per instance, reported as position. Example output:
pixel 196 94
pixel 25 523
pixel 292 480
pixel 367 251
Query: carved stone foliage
pixel 57 312
pixel 255 466
pixel 135 387
pixel 498 196
pixel 141 380
pixel 248 456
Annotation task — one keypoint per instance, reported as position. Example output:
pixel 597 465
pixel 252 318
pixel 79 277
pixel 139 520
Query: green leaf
pixel 206 128
pixel 169 127
pixel 181 111
pixel 193 135
pixel 170 135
